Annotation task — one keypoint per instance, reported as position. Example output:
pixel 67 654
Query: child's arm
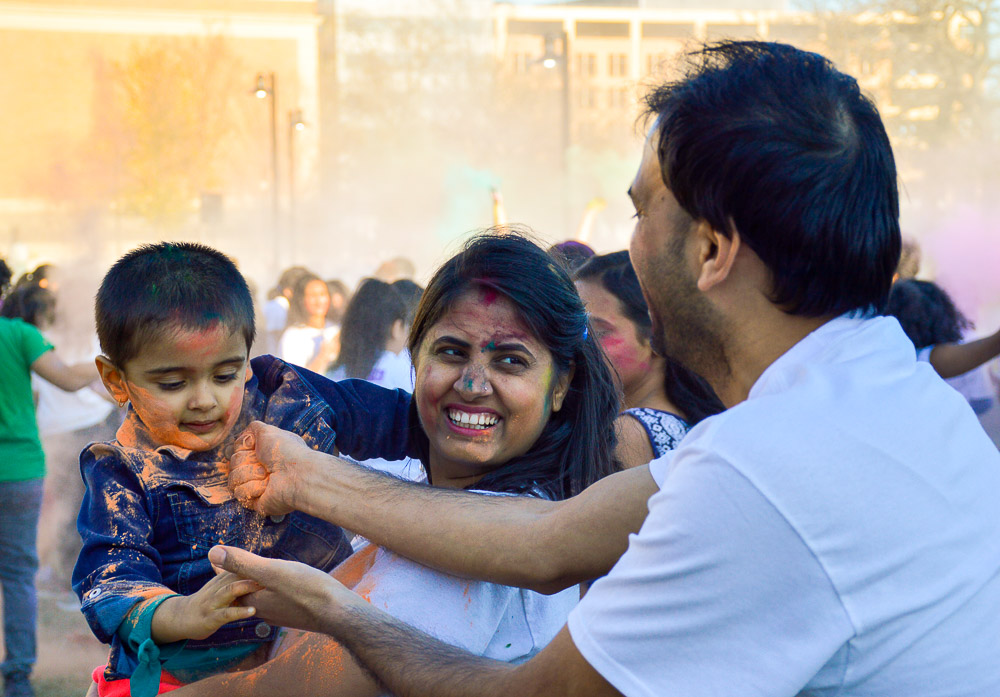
pixel 952 360
pixel 117 568
pixel 369 421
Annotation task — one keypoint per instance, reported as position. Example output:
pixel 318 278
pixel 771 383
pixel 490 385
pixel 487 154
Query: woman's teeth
pixel 479 421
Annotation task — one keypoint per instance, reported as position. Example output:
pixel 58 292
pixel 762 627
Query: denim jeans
pixel 20 503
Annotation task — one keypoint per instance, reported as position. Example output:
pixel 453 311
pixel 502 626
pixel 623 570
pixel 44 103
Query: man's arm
pixel 407 662
pixel 952 360
pixel 66 377
pixel 517 541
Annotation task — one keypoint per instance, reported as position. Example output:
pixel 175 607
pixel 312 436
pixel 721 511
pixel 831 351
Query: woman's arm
pixel 314 665
pixel 518 541
pixel 952 360
pixel 634 448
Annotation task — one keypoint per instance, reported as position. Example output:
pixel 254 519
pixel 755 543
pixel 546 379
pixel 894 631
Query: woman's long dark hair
pixel 688 390
pixel 926 312
pixel 367 327
pixel 576 446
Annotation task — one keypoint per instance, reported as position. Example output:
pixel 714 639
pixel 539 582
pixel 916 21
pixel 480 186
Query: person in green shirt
pixel 23 349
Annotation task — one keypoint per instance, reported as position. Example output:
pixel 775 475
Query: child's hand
pixel 198 616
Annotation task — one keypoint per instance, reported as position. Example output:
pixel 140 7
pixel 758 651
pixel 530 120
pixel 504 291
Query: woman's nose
pixel 473 382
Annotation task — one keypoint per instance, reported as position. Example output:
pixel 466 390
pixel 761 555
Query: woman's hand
pixel 291 594
pixel 263 472
pixel 199 615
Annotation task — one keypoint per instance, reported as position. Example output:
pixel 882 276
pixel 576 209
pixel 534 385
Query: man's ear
pixel 248 374
pixel 561 388
pixel 113 379
pixel 717 254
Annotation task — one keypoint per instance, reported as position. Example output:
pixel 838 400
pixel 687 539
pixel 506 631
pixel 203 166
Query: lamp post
pixel 267 89
pixel 551 60
pixel 295 124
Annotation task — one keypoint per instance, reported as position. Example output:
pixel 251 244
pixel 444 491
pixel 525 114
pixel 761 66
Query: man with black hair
pixel 835 531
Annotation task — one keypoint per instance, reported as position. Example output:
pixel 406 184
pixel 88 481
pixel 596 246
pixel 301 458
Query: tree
pixel 174 107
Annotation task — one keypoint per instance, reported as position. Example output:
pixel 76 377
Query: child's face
pixel 186 386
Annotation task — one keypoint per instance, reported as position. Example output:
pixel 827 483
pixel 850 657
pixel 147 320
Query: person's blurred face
pixel 316 299
pixel 628 353
pixel 485 388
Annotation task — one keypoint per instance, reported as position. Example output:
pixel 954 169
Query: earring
pixel 122 402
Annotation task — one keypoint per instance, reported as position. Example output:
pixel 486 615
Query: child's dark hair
pixel 157 286
pixel 686 389
pixel 35 305
pixel 576 446
pixel 367 326
pixel 926 312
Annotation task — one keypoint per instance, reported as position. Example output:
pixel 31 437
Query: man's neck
pixel 752 348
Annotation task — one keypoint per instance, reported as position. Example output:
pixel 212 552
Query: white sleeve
pixel 717 594
pixel 294 347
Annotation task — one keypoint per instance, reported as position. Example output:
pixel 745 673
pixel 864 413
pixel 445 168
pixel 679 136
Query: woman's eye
pixel 170 386
pixel 513 361
pixel 451 352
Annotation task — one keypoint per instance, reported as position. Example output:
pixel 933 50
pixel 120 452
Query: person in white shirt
pixel 835 531
pixel 309 340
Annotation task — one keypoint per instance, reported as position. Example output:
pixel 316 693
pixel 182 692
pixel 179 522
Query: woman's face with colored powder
pixel 628 354
pixel 187 386
pixel 485 388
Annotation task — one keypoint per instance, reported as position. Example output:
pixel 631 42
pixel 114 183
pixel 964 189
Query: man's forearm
pixel 518 541
pixel 410 663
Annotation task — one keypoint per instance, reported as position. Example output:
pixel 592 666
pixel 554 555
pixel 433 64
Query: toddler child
pixel 175 323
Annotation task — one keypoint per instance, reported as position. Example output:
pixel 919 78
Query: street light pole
pixel 550 60
pixel 295 124
pixel 267 88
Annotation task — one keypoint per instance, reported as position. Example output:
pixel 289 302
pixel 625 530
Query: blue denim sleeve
pixel 117 567
pixel 370 421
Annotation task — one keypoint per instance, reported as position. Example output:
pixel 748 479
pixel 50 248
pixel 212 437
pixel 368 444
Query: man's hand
pixel 290 594
pixel 262 471
pixel 198 616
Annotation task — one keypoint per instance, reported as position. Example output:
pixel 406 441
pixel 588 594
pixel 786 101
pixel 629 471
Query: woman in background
pixel 309 340
pixel 373 338
pixel 662 398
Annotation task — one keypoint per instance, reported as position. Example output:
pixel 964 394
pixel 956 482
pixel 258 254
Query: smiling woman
pixel 512 397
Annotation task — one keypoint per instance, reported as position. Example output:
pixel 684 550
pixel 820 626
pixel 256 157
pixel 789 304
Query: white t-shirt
pixel 974 385
pixel 487 619
pixel 276 313
pixel 59 411
pixel 836 533
pixel 299 345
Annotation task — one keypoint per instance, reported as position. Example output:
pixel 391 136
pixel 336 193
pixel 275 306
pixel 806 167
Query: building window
pixel 617 65
pixel 586 64
pixel 617 98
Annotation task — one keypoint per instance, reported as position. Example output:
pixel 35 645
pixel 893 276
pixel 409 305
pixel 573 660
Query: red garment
pixel 119 688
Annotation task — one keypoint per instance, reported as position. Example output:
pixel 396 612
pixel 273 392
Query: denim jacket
pixel 150 514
